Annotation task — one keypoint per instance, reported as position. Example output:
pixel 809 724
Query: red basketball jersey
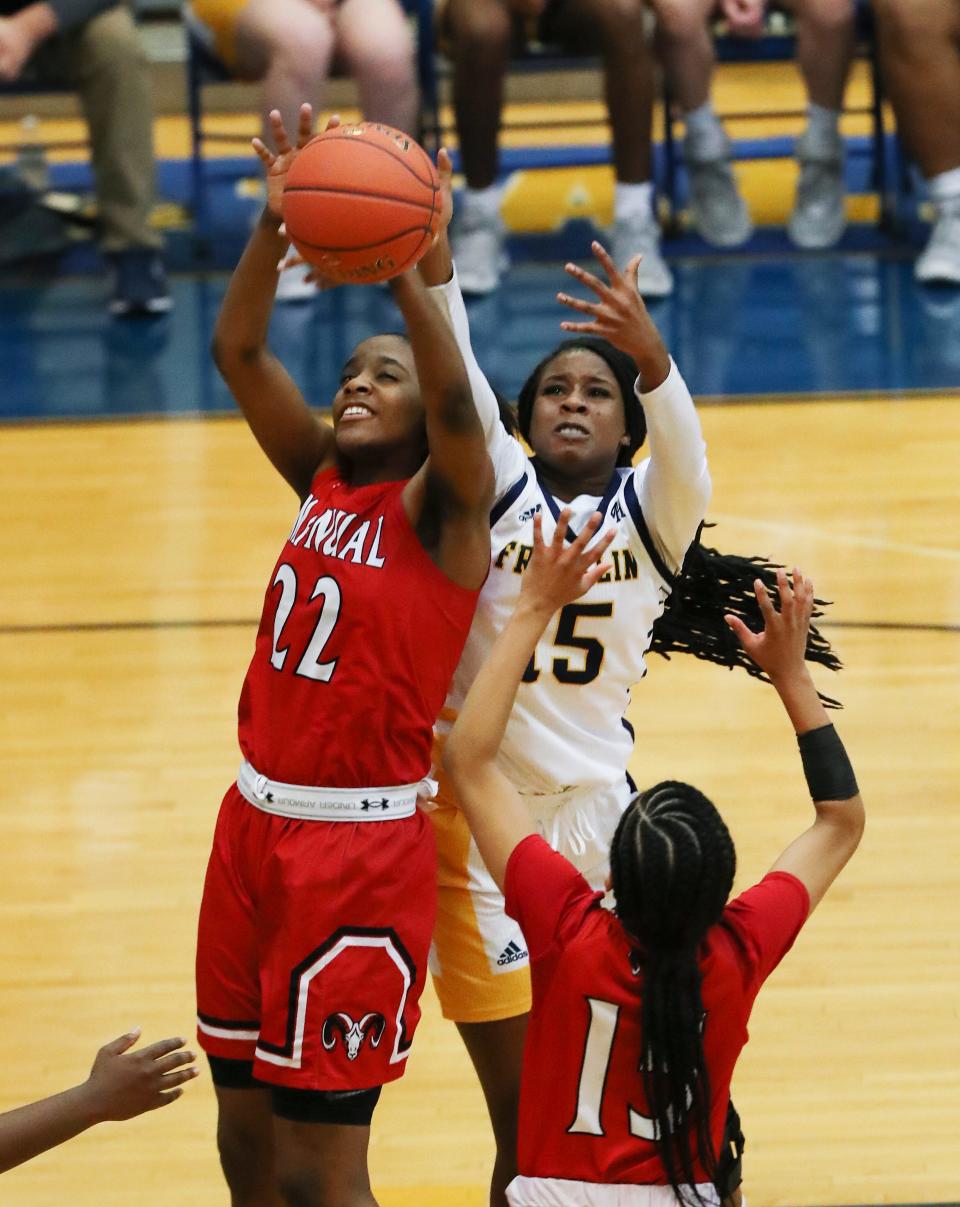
pixel 582 1109
pixel 357 644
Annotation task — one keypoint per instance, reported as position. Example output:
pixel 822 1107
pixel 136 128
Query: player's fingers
pixel 784 592
pixel 175 1060
pixel 279 131
pixel 538 533
pixel 579 304
pixel 593 575
pixel 586 278
pixel 609 267
pixel 444 164
pixel 588 328
pixel 162 1047
pixel 333 121
pixel 122 1042
pixel 179 1077
pixel 630 272
pixel 763 599
pixel 586 534
pixel 164 1098
pixel 560 532
pixel 305 124
pixel 743 634
pixel 263 151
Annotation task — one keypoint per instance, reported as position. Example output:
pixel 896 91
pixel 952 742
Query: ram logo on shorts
pixel 353 1034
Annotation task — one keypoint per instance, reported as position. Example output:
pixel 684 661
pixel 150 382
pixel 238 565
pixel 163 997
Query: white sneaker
pixel 939 262
pixel 819 215
pixel 641 233
pixel 717 210
pixel 479 252
pixel 292 284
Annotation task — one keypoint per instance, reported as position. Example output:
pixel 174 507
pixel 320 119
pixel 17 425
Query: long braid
pixel 672 864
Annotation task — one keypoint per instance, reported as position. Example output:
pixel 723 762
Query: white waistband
pixel 560 1192
pixel 331 804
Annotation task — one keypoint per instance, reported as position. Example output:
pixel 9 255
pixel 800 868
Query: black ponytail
pixel 672 864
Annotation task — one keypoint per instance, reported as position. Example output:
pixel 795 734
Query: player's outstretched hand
pixel 277 163
pixel 744 17
pixel 619 315
pixel 124 1083
pixel 563 570
pixel 781 648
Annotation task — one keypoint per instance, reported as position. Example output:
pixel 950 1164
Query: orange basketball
pixel 362 202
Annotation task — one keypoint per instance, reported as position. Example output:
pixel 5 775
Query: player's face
pixel 578 422
pixel 377 406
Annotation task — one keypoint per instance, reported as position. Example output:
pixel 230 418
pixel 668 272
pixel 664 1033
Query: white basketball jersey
pixel 568 728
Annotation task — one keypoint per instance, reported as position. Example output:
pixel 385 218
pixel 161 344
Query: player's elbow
pixel 462 760
pixel 846 820
pixel 230 354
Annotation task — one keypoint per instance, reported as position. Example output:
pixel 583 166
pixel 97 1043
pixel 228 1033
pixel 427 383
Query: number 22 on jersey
pixel 327 588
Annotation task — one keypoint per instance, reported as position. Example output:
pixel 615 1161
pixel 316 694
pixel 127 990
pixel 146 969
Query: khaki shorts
pixel 479 958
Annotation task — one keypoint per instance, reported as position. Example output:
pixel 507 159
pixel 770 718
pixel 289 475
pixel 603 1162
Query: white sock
pixel 823 126
pixel 483 201
pixel 705 132
pixel 945 186
pixel 632 200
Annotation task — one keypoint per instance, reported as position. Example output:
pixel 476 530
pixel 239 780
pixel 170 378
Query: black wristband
pixel 826 765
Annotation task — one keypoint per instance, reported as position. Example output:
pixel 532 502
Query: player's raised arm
pixel 121 1084
pixel 438 273
pixel 675 488
pixel 449 498
pixel 818 855
pixel 295 439
pixel 558 573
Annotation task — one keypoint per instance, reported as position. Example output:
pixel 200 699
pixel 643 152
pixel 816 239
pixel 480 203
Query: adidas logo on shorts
pixel 510 954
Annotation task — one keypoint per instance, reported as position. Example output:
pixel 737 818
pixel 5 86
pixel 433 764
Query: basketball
pixel 362 202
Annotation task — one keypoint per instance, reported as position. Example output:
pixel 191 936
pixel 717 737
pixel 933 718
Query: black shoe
pixel 139 283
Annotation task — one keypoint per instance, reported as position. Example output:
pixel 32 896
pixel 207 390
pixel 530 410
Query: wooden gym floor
pixel 135 558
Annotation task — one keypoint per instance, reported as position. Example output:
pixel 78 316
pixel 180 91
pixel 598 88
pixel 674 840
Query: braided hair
pixel 672 863
pixel 710 583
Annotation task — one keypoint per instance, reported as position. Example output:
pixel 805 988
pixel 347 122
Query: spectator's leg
pixel 376 45
pixel 825 41
pixel 478 35
pixel 104 60
pixel 615 29
pixel 288 46
pixel 920 53
pixel 685 47
pixel 112 75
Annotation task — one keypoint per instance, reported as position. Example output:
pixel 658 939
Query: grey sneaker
pixel 939 262
pixel 479 251
pixel 641 233
pixel 717 210
pixel 819 215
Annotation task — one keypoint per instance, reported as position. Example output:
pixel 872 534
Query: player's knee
pixel 246 1155
pixel 306 1183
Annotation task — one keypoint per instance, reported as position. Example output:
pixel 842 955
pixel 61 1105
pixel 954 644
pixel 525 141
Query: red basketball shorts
pixel 312 947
